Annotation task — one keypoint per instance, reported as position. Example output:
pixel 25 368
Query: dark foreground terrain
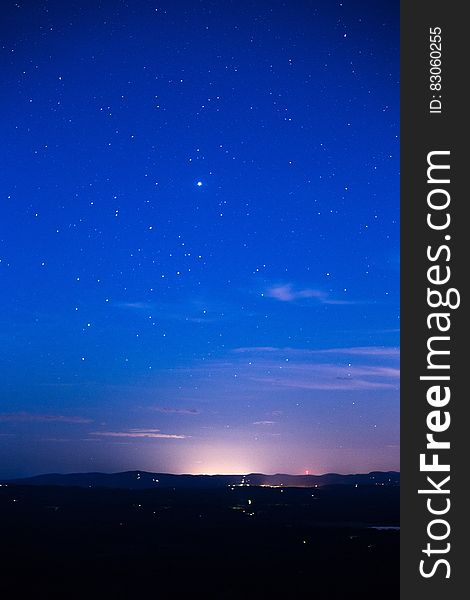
pixel 239 542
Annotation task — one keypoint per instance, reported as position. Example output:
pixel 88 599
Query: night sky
pixel 199 236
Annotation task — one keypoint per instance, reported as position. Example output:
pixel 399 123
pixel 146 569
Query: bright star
pixel 199 184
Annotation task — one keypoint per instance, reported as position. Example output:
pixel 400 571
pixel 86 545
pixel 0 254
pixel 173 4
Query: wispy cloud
pixel 189 310
pixel 140 433
pixel 264 422
pixel 27 417
pixel 338 384
pixel 248 349
pixel 326 376
pixel 331 369
pixel 381 351
pixel 287 293
pixel 134 305
pixel 175 411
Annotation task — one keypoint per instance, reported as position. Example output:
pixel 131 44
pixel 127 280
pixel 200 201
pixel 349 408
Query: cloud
pixel 327 376
pixel 26 417
pixel 259 349
pixel 143 430
pixel 134 305
pixel 175 411
pixel 340 384
pixel 286 293
pixel 264 422
pixel 384 351
pixel 190 311
pixel 331 369
pixel 381 351
pixel 140 433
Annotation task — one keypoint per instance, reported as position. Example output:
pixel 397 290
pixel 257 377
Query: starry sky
pixel 199 241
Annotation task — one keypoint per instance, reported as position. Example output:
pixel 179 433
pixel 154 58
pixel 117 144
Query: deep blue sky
pixel 199 236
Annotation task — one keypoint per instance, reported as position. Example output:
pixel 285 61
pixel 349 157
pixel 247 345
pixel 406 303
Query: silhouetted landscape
pixel 135 480
pixel 122 535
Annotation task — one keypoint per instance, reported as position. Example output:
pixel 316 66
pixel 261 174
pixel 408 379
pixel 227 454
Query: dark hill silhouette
pixel 135 480
pixel 133 534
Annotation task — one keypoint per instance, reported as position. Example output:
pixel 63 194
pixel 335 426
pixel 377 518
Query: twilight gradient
pixel 199 255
